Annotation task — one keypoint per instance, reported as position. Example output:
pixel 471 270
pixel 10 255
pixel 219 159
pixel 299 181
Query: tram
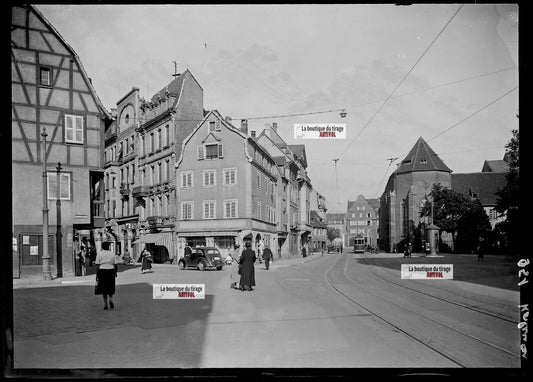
pixel 359 244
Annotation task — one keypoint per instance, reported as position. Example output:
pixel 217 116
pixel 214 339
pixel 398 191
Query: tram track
pixel 419 339
pixel 470 307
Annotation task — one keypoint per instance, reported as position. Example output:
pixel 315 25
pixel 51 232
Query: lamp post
pixel 58 229
pixel 47 275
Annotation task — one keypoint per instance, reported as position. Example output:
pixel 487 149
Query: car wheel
pixel 219 268
pixel 201 265
pixel 181 265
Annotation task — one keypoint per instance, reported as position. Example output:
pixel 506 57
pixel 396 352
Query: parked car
pixel 201 258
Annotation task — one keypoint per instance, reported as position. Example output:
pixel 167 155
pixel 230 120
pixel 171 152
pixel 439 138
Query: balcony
pixel 140 191
pixel 124 190
pixel 98 214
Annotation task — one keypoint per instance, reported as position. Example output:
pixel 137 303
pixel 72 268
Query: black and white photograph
pixel 266 188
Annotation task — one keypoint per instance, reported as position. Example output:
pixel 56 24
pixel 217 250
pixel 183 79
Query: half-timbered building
pixel 56 118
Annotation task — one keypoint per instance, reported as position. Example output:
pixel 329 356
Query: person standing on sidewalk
pixel 267 256
pixel 247 267
pixel 106 273
pixel 234 275
pixel 146 260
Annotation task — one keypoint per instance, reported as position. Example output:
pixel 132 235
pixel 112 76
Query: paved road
pixel 332 311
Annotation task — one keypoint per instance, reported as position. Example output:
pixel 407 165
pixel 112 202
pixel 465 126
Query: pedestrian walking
pixel 146 260
pixel 304 251
pixel 106 273
pixel 247 268
pixel 82 260
pixel 267 256
pixel 234 275
pixel 260 247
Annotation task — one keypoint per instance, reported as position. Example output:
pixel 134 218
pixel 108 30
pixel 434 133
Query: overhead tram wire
pixel 476 112
pixel 402 80
pixel 457 124
pixel 359 105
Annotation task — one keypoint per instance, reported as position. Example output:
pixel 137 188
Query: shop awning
pixel 162 238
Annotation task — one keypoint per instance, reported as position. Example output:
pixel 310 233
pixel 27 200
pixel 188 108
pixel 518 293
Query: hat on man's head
pixel 248 237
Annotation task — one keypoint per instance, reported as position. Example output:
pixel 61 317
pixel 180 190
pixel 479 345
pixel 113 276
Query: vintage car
pixel 201 258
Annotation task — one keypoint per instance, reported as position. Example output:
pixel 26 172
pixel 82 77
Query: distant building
pixel 51 90
pixel 337 221
pixel 362 221
pixel 319 236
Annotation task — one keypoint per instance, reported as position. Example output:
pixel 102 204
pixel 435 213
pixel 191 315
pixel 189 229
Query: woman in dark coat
pixel 247 267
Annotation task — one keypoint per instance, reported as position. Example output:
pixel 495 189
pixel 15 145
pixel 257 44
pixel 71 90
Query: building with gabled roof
pixel 362 221
pixel 406 190
pixel 141 151
pixel 482 186
pixel 227 187
pixel 51 92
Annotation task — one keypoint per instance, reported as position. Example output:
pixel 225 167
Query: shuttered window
pixel 73 128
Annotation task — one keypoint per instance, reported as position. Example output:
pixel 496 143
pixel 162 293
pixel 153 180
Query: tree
pixel 473 225
pixel 333 233
pixel 508 198
pixel 449 207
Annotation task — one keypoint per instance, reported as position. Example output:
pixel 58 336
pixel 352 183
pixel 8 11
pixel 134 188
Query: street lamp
pixel 58 229
pixel 46 256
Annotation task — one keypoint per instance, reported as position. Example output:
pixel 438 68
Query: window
pixel 259 210
pixel 258 181
pixel 217 126
pixel 73 128
pixel 212 126
pixel 353 215
pixel 368 215
pixel 151 142
pixel 230 208
pixel 167 135
pixel 133 173
pixel 209 209
pixel 167 170
pixel 423 160
pixel 368 222
pixel 212 151
pixel 45 76
pixel 186 210
pixel 64 192
pixel 493 214
pixel 209 178
pixel 200 151
pixel 186 179
pixel 360 215
pixel 143 146
pixel 159 173
pixel 132 144
pixel 230 176
pixel 152 175
pixel 127 146
pixel 158 139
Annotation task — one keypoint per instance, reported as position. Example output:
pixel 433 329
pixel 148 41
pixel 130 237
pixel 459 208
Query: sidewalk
pixel 129 274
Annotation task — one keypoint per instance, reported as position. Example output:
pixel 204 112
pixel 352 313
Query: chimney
pixel 244 126
pixel 275 126
pixel 252 133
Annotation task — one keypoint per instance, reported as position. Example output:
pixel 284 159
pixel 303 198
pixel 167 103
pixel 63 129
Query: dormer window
pixel 423 160
pixel 407 161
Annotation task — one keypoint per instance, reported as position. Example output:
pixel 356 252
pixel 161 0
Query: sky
pixel 399 72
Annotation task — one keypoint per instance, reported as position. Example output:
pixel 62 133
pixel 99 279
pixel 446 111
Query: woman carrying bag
pixel 106 273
